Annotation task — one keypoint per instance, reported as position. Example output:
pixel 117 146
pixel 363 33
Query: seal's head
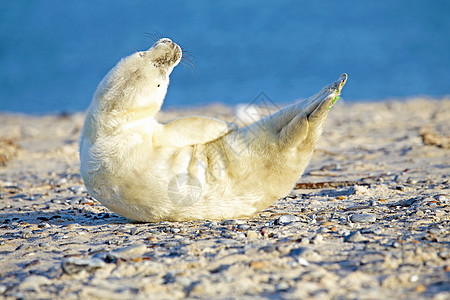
pixel 138 83
pixel 164 54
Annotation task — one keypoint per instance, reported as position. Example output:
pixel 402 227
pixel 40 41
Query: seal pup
pixel 194 167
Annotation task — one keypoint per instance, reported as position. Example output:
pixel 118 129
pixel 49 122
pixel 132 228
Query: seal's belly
pixel 144 178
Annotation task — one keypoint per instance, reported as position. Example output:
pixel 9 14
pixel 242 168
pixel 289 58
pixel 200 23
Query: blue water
pixel 54 53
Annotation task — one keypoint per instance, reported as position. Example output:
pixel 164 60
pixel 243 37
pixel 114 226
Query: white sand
pixel 57 242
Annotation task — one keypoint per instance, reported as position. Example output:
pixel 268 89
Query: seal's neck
pixel 101 124
pixel 144 112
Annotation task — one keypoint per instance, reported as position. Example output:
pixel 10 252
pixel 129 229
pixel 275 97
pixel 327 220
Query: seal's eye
pixel 159 85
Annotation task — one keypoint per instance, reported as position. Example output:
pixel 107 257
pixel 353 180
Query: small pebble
pixel 325 224
pixel 77 189
pixel 61 181
pixel 411 181
pixel 257 264
pixel 302 261
pixel 240 236
pixel 66 217
pixel 363 218
pixel 304 241
pixel 306 253
pixel 26 235
pixel 409 202
pixel 252 234
pixel 354 237
pixel 44 225
pixel 128 252
pixel 228 234
pixel 269 249
pixel 420 288
pixel 24 247
pixel 439 213
pixel 212 224
pixel 286 219
pixel 75 199
pixel 269 224
pixel 33 282
pixel 229 222
pixel 35 197
pixel 282 286
pixel 74 265
pixel 444 254
pixel 244 226
pixel 442 198
pixel 377 231
pixel 318 239
pixel 396 245
pixel 172 230
pixel 184 281
pixel 85 201
pixel 401 188
pixel 419 213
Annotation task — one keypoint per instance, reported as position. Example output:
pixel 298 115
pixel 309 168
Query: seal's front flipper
pixel 192 130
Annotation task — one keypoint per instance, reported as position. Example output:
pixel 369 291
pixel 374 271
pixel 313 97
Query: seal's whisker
pixel 154 36
pixel 188 63
pixel 151 36
pixel 189 59
pixel 184 49
pixel 189 66
pixel 187 54
pixel 192 71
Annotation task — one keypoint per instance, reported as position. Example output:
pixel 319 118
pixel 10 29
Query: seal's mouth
pixel 165 53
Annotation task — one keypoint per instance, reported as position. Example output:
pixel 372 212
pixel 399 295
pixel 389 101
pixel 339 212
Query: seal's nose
pixel 164 41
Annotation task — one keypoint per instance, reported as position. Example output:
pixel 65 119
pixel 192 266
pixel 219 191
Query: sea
pixel 54 53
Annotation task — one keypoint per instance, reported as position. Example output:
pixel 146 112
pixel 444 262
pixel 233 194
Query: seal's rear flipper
pixel 333 92
pixel 304 120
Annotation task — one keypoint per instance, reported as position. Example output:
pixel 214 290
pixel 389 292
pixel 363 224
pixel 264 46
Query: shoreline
pixel 387 236
pixel 213 106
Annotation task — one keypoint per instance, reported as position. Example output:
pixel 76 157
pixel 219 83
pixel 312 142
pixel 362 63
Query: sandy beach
pixel 369 219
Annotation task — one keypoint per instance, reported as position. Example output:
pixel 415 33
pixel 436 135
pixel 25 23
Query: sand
pixel 370 219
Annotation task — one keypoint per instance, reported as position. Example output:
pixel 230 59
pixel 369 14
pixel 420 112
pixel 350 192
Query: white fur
pixel 193 167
